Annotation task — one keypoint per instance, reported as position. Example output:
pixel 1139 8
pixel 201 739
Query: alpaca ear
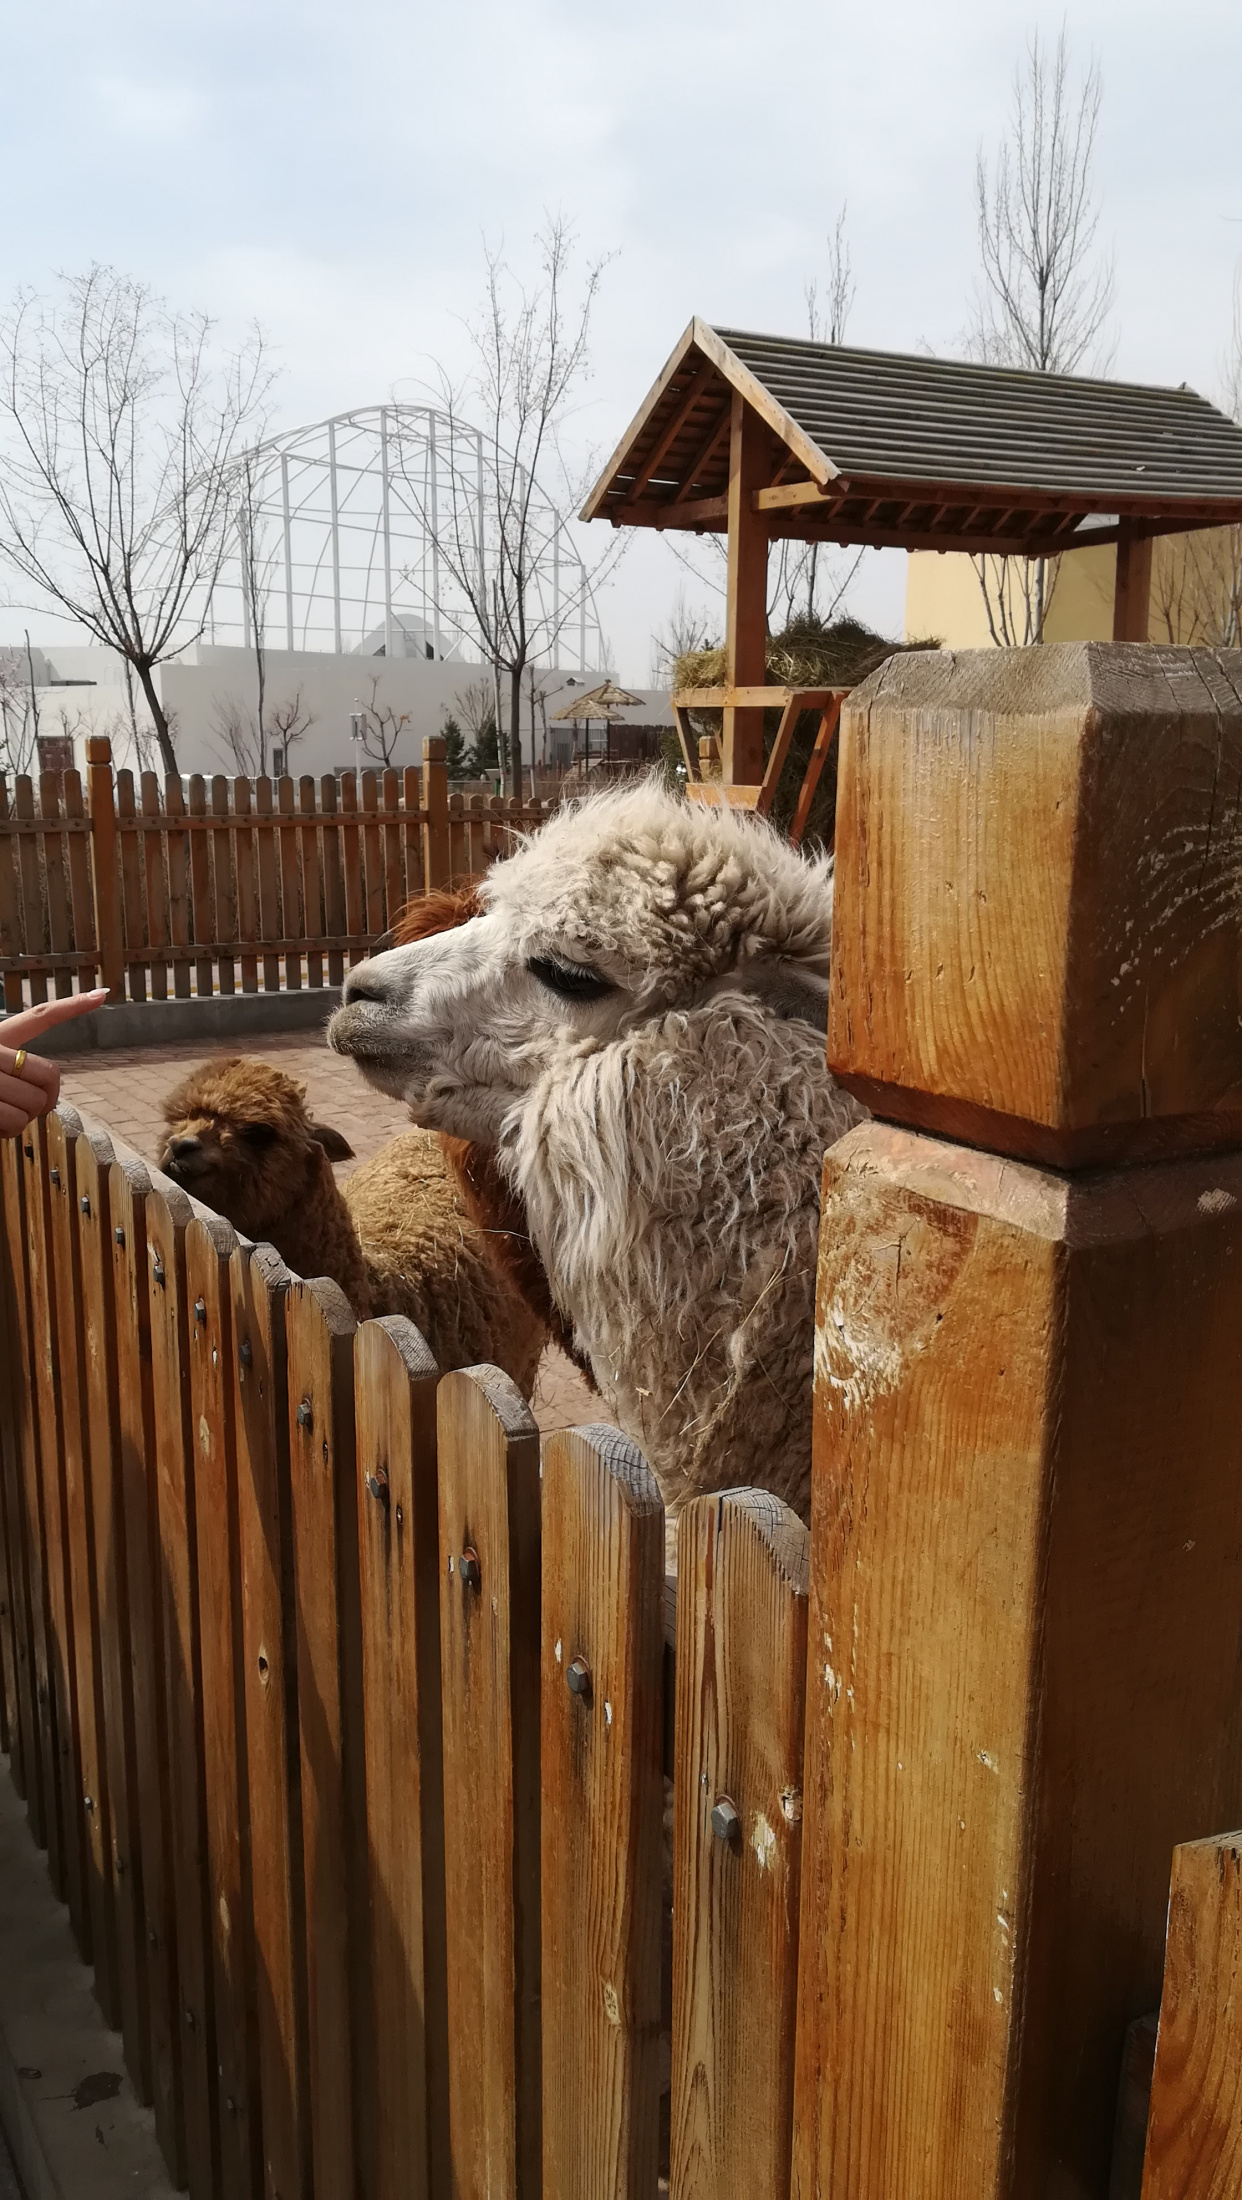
pixel 336 1147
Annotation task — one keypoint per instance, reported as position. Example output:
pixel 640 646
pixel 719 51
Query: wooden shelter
pixel 606 704
pixel 767 437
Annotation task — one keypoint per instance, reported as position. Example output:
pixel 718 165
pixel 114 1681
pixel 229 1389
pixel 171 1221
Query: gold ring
pixel 19 1062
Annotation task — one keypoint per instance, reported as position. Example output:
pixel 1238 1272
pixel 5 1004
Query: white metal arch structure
pixel 361 527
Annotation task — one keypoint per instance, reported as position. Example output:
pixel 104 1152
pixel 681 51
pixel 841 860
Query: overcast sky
pixel 330 169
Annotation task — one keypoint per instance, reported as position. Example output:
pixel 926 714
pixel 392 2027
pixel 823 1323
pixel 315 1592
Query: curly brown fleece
pixel 399 1238
pixel 240 1139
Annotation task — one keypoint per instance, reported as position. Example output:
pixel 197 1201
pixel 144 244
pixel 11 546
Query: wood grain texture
pixel 44 1796
pixel 407 2100
pixel 28 1760
pixel 1194 2130
pixel 63 1133
pixel 1037 904
pixel 260 1283
pixel 742 1571
pixel 140 1441
pixel 167 1214
pixel 319 1332
pixel 48 1399
pixel 602 1786
pixel 10 1730
pixel 489 1649
pixel 210 1347
pixel 1023 1679
pixel 99 1337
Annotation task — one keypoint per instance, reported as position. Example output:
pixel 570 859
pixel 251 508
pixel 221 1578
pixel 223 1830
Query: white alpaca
pixel 637 1022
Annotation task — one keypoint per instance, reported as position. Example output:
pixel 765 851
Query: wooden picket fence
pixel 345 1721
pixel 243 885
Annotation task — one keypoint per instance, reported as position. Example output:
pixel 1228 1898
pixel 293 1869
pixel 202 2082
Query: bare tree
pixel 800 572
pixel 377 727
pixel 121 429
pixel 250 746
pixel 530 345
pixel 19 726
pixel 1046 290
pixel 684 630
pixel 1197 578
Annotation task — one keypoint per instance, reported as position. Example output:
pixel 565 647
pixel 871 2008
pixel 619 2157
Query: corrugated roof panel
pixel 890 415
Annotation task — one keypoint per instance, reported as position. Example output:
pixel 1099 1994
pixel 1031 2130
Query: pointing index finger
pixel 26 1027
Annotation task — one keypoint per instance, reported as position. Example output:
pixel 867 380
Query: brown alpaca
pixel 490 1200
pixel 399 1238
pixel 240 1139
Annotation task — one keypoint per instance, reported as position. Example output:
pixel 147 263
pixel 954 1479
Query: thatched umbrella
pixel 608 701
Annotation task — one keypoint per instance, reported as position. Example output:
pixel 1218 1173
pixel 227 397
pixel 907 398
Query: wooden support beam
pixel 680 417
pixel 1026 1573
pixel 1194 2130
pixel 1132 590
pixel 746 615
pixel 790 496
pixel 707 449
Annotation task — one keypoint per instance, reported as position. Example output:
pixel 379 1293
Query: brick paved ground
pixel 123 1090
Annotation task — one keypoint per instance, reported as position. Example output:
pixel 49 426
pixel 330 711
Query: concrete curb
pixel 214 1019
pixel 72 2120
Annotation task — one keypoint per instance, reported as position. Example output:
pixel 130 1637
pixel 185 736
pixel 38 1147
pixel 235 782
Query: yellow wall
pixel 1196 593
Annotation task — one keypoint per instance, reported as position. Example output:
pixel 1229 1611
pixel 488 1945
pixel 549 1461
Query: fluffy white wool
pixel 668 1138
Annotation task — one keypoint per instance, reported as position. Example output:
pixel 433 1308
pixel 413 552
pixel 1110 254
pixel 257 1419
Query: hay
pixel 806 655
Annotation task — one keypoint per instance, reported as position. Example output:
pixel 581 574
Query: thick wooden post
pixel 1023 1683
pixel 746 617
pixel 435 806
pixel 105 865
pixel 1132 588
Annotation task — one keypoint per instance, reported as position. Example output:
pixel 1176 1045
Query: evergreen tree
pixel 455 753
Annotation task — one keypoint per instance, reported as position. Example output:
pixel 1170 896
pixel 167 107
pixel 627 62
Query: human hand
pixel 32 1089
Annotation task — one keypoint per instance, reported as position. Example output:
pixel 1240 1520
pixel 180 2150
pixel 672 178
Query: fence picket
pixel 153 874
pixel 319 1331
pixel 269 907
pixel 489 1649
pixel 55 879
pixel 406 2099
pixel 200 890
pixel 48 1399
pixel 247 890
pixel 131 882
pixel 373 889
pixel 211 1352
pixel 394 885
pixel 308 843
pixel 436 860
pixel 94 1161
pixel 10 913
pixel 333 891
pixel 743 1569
pixel 259 1283
pixel 602 1787
pixel 10 1724
pixel 351 857
pixel 290 885
pixel 178 886
pixel 140 1442
pixel 412 830
pixel 34 1539
pixel 225 928
pixel 31 885
pixel 22 1571
pixel 64 1131
pixel 162 1279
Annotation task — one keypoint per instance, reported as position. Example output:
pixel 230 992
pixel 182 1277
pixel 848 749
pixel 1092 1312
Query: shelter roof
pixel 877 447
pixel 605 701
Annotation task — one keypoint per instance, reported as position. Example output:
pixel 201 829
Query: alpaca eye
pixel 573 981
pixel 257 1134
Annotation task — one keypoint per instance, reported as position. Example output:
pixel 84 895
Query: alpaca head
pixel 240 1139
pixel 621 909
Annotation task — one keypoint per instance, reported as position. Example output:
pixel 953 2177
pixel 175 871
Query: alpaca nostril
pixel 365 984
pixel 185 1149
